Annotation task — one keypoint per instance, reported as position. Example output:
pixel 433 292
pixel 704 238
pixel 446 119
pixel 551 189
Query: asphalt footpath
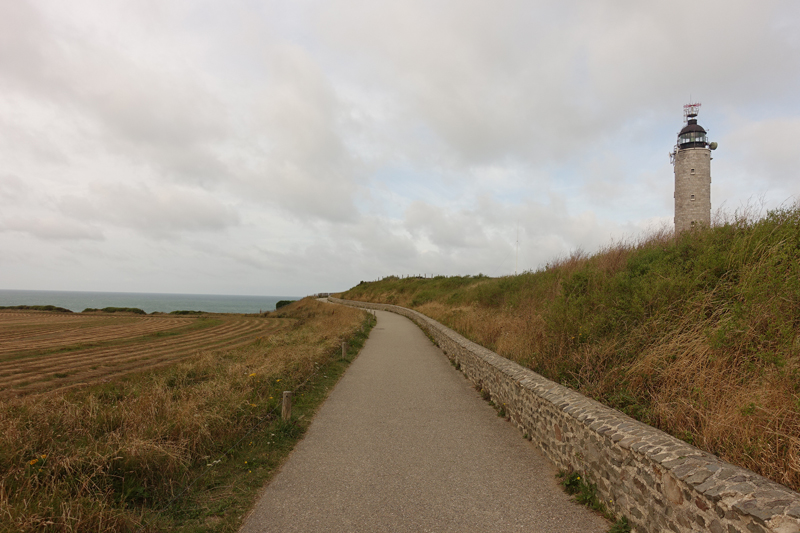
pixel 405 443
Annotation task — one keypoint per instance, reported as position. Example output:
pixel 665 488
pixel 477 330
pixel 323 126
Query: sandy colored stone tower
pixel 692 161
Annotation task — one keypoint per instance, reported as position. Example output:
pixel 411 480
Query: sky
pixel 294 147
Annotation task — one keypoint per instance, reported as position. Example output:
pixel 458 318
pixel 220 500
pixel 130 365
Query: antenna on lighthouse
pixel 690 111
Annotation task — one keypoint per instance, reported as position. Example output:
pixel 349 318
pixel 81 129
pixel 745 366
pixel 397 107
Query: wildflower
pixel 277 380
pixel 44 456
pixel 252 405
pixel 33 462
pixel 253 374
pixel 245 462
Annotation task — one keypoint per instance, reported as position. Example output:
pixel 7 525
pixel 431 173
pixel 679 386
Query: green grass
pixel 585 493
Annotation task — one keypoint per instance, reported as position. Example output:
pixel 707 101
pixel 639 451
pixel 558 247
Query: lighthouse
pixel 692 162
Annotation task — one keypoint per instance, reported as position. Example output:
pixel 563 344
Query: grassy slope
pixel 699 336
pixel 111 457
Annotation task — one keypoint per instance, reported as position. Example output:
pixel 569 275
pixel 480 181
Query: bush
pixel 134 310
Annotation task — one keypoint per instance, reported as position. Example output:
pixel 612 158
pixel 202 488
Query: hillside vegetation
pixel 182 448
pixel 698 336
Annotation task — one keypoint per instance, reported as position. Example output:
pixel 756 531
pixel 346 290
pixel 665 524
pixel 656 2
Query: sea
pixel 148 302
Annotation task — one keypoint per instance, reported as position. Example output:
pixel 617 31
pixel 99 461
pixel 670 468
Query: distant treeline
pixel 57 309
pixel 134 310
pixel 36 308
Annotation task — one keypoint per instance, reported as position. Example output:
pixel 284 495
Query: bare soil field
pixel 41 351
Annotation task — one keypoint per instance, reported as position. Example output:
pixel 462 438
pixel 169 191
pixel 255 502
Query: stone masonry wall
pixel 692 188
pixel 659 482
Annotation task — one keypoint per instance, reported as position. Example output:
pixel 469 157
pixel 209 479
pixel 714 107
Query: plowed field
pixel 45 351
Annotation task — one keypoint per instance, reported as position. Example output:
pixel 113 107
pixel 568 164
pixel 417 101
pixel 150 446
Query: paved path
pixel 404 443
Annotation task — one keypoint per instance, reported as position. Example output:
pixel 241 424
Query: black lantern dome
pixel 692 135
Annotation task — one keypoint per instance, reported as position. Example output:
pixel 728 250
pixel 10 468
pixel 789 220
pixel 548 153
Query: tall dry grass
pixel 100 458
pixel 697 335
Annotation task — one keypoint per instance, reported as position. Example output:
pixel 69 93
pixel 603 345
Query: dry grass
pixel 698 336
pixel 101 457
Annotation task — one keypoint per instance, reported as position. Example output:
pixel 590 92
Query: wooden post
pixel 286 412
pixel 344 349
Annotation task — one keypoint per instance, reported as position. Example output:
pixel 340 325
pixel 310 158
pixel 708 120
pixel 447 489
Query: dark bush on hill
pixel 134 310
pixel 37 308
pixel 284 303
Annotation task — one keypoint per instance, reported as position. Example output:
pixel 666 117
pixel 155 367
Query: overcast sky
pixel 290 147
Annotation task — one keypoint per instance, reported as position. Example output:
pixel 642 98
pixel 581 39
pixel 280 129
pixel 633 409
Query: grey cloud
pixel 767 149
pixel 305 168
pixel 55 228
pixel 160 212
pixel 536 82
pixel 163 118
pixel 12 188
pixel 443 229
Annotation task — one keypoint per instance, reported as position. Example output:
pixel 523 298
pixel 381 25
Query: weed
pixel 620 526
pixel 584 492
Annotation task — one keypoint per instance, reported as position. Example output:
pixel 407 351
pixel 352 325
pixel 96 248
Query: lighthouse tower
pixel 692 161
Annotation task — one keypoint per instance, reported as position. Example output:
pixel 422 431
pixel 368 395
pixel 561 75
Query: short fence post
pixel 286 412
pixel 344 349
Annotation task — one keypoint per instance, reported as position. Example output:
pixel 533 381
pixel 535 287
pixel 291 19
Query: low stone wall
pixel 659 482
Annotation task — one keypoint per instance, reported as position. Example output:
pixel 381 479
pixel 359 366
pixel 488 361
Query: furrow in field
pixel 63 363
pixel 31 324
pixel 38 325
pixel 34 332
pixel 92 355
pixel 99 334
pixel 131 362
